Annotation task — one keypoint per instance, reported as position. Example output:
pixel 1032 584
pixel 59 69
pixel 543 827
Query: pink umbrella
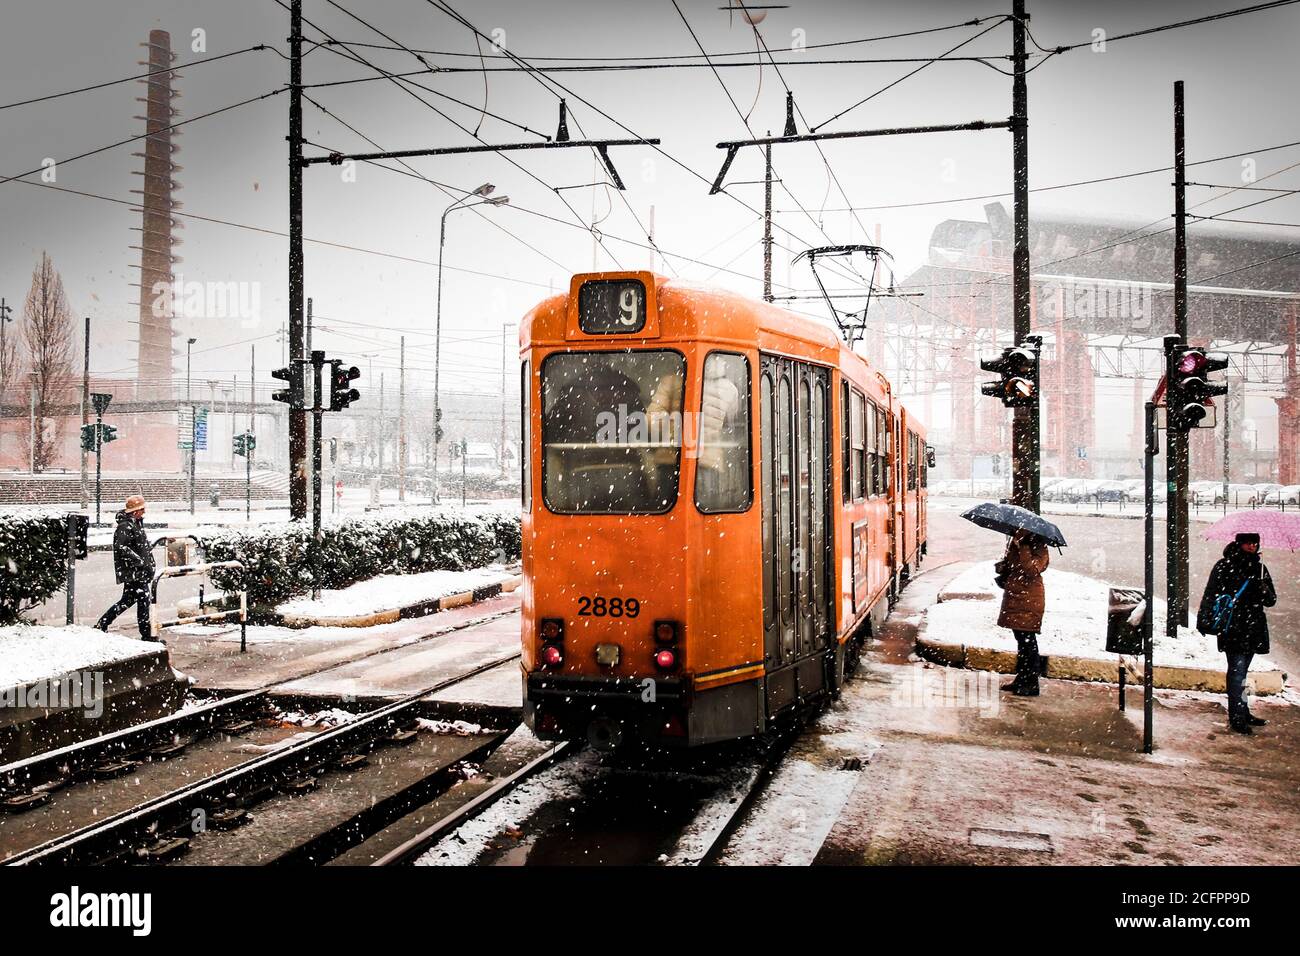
pixel 1276 529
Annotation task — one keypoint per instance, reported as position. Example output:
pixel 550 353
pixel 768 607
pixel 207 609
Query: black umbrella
pixel 1012 518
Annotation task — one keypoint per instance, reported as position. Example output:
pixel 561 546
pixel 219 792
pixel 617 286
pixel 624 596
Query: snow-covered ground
pixel 1074 623
pixel 30 653
pixel 388 591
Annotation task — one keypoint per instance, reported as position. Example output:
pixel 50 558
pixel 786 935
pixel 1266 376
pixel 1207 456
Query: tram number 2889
pixel 608 607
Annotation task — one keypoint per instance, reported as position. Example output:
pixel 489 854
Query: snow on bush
pixel 33 547
pixel 282 560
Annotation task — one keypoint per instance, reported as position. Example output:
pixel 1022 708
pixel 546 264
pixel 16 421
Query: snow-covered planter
pixel 32 560
pixel 282 560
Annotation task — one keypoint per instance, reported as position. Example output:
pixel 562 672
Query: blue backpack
pixel 1224 606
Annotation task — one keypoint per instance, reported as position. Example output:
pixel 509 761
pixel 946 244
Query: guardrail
pixel 156 624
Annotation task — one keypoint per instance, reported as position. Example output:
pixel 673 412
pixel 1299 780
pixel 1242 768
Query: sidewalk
pixel 956 772
pixel 960 630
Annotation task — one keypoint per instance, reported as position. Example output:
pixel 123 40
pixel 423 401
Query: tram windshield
pixel 612 431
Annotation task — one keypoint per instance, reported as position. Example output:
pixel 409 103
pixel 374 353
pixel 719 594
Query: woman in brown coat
pixel 1021 574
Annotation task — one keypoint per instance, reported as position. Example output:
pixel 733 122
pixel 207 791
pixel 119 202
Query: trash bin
pixel 214 495
pixel 1121 636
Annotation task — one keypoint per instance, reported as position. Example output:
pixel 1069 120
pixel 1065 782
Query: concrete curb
pixel 385 616
pixel 1064 667
pixel 418 609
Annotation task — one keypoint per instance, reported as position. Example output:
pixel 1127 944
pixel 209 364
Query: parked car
pixel 1283 495
pixel 1205 492
pixel 1239 496
pixel 1262 489
pixel 1109 491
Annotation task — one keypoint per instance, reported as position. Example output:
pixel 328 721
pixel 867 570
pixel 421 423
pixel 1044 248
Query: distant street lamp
pixel 482 191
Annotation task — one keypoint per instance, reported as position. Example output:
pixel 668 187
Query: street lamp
pixel 189 343
pixel 482 192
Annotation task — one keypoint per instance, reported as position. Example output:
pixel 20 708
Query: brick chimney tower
pixel 157 224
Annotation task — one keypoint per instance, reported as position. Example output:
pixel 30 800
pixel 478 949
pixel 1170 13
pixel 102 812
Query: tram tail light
pixel 665 658
pixel 552 655
pixel 665 632
pixel 552 629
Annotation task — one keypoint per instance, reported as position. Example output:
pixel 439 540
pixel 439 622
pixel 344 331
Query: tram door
pixel 798 619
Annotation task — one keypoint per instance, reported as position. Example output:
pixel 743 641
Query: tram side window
pixel 846 450
pixel 723 472
pixel 911 461
pixel 859 446
pixel 882 449
pixel 612 431
pixel 525 426
pixel 873 460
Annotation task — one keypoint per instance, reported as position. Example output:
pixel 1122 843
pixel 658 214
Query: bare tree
pixel 48 334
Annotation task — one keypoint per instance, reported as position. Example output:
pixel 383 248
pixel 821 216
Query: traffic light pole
pixel 317 413
pixel 1149 576
pixel 1178 462
pixel 99 458
pixel 1025 445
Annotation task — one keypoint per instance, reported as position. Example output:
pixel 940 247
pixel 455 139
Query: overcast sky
pixel 1092 115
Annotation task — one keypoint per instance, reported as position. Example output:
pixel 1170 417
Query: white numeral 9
pixel 627 304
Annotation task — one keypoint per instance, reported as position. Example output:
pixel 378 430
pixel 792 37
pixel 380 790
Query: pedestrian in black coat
pixel 134 566
pixel 1241 587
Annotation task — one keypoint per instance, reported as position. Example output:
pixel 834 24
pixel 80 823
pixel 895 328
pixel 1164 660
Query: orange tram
pixel 720 503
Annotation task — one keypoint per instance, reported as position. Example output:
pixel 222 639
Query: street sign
pixel 192 424
pixel 100 400
pixel 1081 452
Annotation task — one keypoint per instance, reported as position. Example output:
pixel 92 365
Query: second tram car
pixel 720 499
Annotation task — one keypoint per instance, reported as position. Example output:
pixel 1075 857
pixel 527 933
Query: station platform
pixel 62 685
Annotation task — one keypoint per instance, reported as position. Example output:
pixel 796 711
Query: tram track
pixel 688 818
pixel 153 829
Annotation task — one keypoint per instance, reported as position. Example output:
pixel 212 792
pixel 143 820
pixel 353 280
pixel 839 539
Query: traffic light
pixel 107 433
pixel 241 448
pixel 342 394
pixel 79 528
pixel 1188 388
pixel 1018 368
pixel 293 395
pixel 438 433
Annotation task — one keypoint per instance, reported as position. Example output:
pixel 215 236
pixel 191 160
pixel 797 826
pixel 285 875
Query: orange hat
pixel 134 503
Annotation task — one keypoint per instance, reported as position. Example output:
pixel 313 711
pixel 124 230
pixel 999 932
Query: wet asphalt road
pixel 1110 549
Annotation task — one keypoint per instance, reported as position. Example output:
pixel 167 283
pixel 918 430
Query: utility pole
pixel 767 224
pixel 252 431
pixel 309 398
pixel 401 420
pixel 85 415
pixel 505 359
pixel 297 349
pixel 1178 439
pixel 5 309
pixel 1025 445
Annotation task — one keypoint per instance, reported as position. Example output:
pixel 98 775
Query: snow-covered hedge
pixel 282 560
pixel 32 560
